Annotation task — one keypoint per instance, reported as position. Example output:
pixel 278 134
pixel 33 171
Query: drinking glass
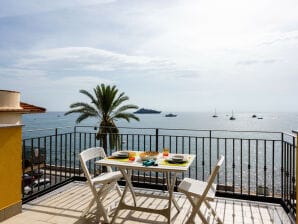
pixel 131 156
pixel 165 151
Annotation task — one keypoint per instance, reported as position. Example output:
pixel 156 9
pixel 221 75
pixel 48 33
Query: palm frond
pixel 88 94
pixel 83 116
pixel 124 108
pixel 126 116
pixel 121 98
pixel 105 104
pixel 82 108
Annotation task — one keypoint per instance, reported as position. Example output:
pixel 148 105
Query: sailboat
pixel 232 118
pixel 215 115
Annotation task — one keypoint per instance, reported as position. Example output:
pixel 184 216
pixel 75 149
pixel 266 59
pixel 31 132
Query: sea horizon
pixel 271 121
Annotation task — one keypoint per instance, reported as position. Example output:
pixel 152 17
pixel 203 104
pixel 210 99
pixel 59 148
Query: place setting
pixel 176 160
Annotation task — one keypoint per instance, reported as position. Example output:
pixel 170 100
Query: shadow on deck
pixel 66 204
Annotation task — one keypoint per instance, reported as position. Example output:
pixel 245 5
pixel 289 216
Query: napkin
pixel 150 163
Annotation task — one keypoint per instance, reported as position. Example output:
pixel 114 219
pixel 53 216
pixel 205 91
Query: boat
pixel 232 118
pixel 254 116
pixel 215 115
pixel 147 111
pixel 260 118
pixel 171 115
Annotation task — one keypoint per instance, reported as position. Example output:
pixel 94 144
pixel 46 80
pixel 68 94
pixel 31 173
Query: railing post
pixel 156 139
pixel 296 132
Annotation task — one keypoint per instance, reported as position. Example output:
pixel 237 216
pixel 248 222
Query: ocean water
pixel 242 149
pixel 275 122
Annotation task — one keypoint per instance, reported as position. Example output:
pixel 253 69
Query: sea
pixel 246 157
pixel 38 124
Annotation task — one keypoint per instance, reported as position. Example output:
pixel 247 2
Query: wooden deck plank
pixel 65 205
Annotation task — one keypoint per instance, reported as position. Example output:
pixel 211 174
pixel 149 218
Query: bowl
pixel 120 154
pixel 177 158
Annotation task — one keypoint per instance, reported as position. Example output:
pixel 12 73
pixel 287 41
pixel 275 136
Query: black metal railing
pixel 258 165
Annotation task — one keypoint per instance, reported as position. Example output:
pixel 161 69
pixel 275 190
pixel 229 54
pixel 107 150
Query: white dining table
pixel 170 171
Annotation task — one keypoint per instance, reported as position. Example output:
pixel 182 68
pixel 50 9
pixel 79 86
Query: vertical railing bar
pixel 38 165
pixel 60 145
pixel 51 160
pixel 189 150
pixel 56 154
pixel 249 166
pixel 257 169
pixel 226 159
pixel 150 173
pixel 273 161
pixel 282 167
pixel 265 168
pixel 138 150
pixel 197 158
pixel 156 149
pixel 217 154
pixel 183 151
pixel 176 146
pixel 80 149
pixel 233 151
pixel 203 158
pixel 65 156
pixel 210 148
pixel 293 196
pixel 45 157
pixel 70 152
pixel 144 180
pixel 241 149
pixel 290 177
pixel 287 174
pixel 74 150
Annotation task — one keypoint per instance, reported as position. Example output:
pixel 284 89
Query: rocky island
pixel 147 111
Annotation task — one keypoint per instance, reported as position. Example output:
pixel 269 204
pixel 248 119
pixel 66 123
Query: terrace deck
pixel 65 205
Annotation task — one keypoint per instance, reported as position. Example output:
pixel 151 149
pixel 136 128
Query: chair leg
pixel 118 189
pixel 101 211
pixel 213 212
pixel 196 205
pixel 86 210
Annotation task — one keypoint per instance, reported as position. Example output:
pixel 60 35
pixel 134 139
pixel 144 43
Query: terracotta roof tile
pixel 26 108
pixel 29 108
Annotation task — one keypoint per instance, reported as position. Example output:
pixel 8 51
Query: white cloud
pixel 162 52
pixel 95 59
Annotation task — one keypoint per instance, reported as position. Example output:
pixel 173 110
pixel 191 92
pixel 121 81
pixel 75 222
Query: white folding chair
pixel 198 192
pixel 100 185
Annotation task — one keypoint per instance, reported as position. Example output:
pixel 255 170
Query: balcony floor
pixel 65 205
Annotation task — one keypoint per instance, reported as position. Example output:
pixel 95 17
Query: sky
pixel 170 55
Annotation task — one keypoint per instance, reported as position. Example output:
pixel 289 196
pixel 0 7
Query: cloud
pixel 14 8
pixel 95 59
pixel 253 62
pixel 54 93
pixel 280 38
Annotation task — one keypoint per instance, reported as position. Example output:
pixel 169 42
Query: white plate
pixel 120 154
pixel 177 159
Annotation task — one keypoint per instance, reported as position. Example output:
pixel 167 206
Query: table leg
pixel 170 185
pixel 127 176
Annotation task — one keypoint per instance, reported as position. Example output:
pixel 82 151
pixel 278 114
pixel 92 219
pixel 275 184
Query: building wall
pixel 10 171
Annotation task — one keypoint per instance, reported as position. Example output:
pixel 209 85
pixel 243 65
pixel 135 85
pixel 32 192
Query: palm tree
pixel 106 105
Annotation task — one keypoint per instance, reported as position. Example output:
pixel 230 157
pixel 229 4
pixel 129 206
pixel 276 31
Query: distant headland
pixel 147 111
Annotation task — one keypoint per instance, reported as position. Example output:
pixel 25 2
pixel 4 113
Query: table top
pixel 138 164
